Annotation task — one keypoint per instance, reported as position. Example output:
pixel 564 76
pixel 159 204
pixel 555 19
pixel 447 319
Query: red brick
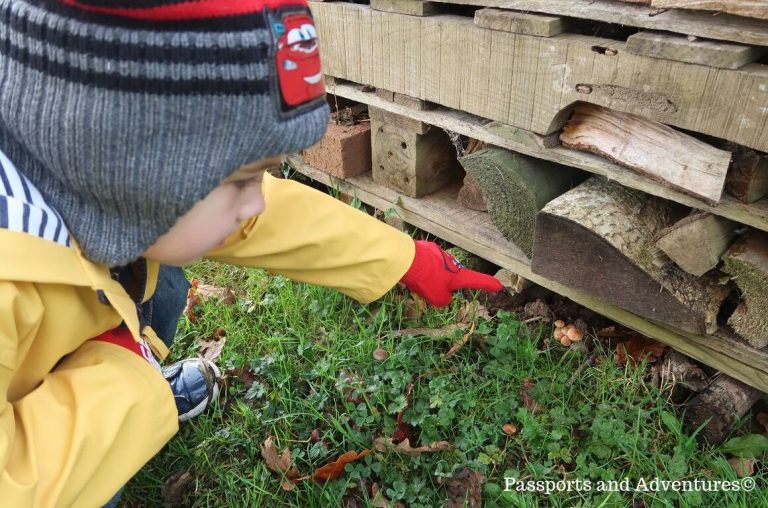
pixel 343 152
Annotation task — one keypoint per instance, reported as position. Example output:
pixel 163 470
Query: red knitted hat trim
pixel 185 11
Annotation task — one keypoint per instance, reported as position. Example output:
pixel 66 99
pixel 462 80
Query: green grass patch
pixel 309 354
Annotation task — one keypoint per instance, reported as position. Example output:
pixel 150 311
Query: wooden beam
pixel 473 231
pixel 725 55
pixel 748 8
pixel 532 82
pixel 701 24
pixel 661 153
pixel 519 22
pixel 408 7
pixel 529 143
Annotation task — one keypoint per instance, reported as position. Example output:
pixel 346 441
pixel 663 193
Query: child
pixel 135 134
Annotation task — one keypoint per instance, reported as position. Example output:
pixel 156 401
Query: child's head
pixel 125 117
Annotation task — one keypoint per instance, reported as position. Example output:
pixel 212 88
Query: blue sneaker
pixel 195 385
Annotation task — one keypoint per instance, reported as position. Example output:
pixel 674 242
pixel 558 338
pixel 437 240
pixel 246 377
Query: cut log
pixel 747 178
pixel 599 238
pixel 515 188
pixel 513 281
pixel 722 403
pixel 697 242
pixel 471 196
pixel 650 148
pixel 680 376
pixel 519 22
pixel 747 263
pixel 724 55
pixel 747 8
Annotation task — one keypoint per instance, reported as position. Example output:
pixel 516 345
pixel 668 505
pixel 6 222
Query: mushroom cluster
pixel 566 334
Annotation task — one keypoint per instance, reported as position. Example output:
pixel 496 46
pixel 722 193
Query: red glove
pixel 435 274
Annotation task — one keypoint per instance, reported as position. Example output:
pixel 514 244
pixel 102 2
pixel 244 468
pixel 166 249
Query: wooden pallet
pixel 533 82
pixel 529 143
pixel 440 215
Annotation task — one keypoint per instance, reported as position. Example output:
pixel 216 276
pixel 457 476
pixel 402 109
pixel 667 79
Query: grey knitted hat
pixel 125 114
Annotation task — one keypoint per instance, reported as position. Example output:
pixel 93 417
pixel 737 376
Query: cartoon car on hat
pixel 298 59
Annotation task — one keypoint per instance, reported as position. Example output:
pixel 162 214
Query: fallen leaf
pixel 314 436
pixel 414 307
pixel 193 300
pixel 402 431
pixel 528 401
pixel 211 349
pixel 461 342
pixel 224 295
pixel 281 464
pixel 383 444
pixel 380 355
pixel 334 470
pixel 762 419
pixel 471 311
pixel 637 348
pixel 464 489
pixel 743 467
pixel 430 332
pixel 244 374
pixel 176 486
pixel 379 501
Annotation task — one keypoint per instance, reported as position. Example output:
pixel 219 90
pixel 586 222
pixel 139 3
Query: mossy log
pixel 722 403
pixel 515 188
pixel 747 263
pixel 599 238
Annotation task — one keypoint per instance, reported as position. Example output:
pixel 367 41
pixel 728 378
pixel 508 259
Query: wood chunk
pixel 747 263
pixel 471 195
pixel 385 94
pixel 515 188
pixel 724 55
pixel 519 22
pixel 724 402
pixel 598 238
pixel 697 242
pixel 412 163
pixel 747 8
pixel 410 7
pixel 513 281
pixel 403 122
pixel 413 102
pixel 747 178
pixel 670 157
pixel 680 375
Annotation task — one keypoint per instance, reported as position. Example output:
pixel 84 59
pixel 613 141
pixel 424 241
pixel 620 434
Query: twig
pixel 581 367
pixel 532 320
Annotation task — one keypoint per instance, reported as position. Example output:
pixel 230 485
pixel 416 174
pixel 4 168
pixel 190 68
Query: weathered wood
pixel 512 281
pixel 747 263
pixel 409 7
pixel 515 188
pixel 653 149
pixel 439 215
pixel 530 82
pixel 519 22
pixel 471 195
pixel 414 164
pixel 676 47
pixel 400 121
pixel 748 8
pixel 681 376
pixel 385 94
pixel 697 242
pixel 529 143
pixel 747 178
pixel 702 24
pixel 597 238
pixel 412 102
pixel 722 404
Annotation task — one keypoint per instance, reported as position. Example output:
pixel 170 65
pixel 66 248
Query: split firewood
pixel 747 178
pixel 512 281
pixel 609 231
pixel 722 403
pixel 747 263
pixel 697 242
pixel 659 152
pixel 515 188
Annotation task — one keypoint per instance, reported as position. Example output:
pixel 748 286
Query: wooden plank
pixel 438 214
pixel 408 7
pixel 653 149
pixel 478 68
pixel 724 27
pixel 526 142
pixel 724 55
pixel 519 22
pixel 748 8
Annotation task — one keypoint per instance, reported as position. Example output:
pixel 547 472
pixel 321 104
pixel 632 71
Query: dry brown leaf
pixel 762 419
pixel 528 401
pixel 334 470
pixel 383 444
pixel 637 348
pixel 743 467
pixel 208 291
pixel 461 342
pixel 471 311
pixel 176 486
pixel 429 332
pixel 414 307
pixel 402 431
pixel 211 349
pixel 193 300
pixel 465 489
pixel 281 464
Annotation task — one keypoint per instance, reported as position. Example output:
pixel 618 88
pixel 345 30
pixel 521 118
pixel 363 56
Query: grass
pixel 308 352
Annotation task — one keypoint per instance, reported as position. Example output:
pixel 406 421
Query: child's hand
pixel 435 274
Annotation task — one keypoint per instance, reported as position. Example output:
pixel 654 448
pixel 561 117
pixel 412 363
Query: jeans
pixel 163 311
